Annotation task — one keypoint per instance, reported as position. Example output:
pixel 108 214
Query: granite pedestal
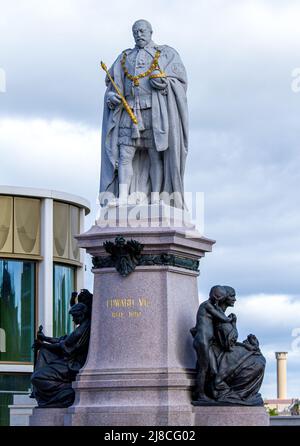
pixel 47 417
pixel 230 416
pixel 140 364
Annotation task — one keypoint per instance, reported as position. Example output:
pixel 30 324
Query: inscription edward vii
pixel 127 307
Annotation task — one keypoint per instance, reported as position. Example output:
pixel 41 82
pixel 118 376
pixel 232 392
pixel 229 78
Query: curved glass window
pixel 17 309
pixel 63 285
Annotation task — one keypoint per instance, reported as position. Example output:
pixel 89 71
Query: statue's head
pixel 217 293
pixel 85 297
pixel 79 313
pixel 230 296
pixel 142 32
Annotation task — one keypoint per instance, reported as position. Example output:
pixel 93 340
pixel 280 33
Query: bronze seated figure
pixel 58 360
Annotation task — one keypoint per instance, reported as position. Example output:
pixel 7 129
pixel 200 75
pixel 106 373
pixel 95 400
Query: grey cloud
pixel 52 61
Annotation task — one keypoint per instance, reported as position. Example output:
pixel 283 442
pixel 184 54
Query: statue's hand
pixel 36 344
pixel 232 316
pixel 159 83
pixel 113 99
pixel 252 339
pixel 41 337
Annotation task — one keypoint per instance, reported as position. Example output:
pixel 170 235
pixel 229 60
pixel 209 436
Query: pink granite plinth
pixel 140 364
pixel 230 416
pixel 130 416
pixel 47 417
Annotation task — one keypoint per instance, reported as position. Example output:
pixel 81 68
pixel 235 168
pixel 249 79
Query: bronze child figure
pixel 208 315
pixel 229 372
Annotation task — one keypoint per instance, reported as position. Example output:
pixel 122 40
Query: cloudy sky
pixel 244 132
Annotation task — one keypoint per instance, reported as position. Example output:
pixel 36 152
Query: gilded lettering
pixel 143 302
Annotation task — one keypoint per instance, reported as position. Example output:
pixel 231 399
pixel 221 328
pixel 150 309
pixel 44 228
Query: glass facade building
pixel 40 266
pixel 17 309
pixel 63 285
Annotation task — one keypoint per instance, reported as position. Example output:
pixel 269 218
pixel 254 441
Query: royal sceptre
pixel 36 346
pixel 124 102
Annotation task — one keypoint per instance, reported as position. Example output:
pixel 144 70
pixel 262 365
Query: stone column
pixel 281 358
pixel 140 366
pixel 81 270
pixel 45 282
